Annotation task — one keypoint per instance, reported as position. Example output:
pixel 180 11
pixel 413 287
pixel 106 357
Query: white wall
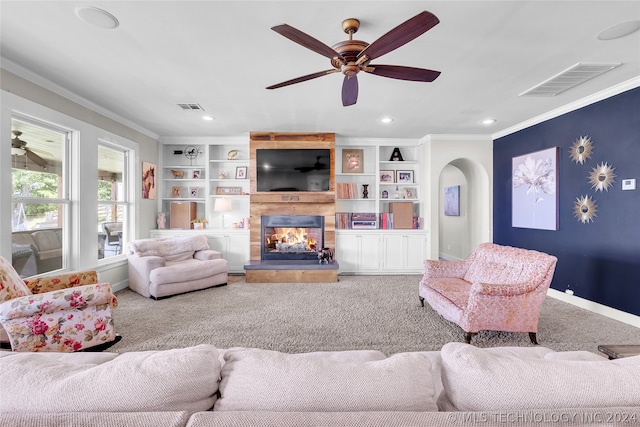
pixel 454 231
pixel 473 156
pixel 24 97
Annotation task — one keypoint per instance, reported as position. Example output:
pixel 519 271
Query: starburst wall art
pixel 534 201
pixel 581 149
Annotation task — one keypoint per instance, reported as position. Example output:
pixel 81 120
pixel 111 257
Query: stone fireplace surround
pixel 290 204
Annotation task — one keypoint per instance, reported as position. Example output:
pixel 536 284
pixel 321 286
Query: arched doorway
pixel 459 235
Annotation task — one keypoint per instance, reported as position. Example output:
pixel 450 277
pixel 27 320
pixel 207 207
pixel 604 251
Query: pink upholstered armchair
pixel 498 288
pixel 68 312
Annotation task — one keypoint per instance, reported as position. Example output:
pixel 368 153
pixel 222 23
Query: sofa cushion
pixel 11 285
pixel 495 266
pixel 170 380
pixel 169 246
pixel 254 380
pixel 181 256
pixel 188 270
pixel 454 289
pixel 478 380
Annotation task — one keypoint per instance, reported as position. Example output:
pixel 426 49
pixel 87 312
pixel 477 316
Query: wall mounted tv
pixel 293 169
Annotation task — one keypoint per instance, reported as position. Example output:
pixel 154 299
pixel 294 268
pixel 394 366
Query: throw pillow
pixel 11 285
pixel 263 380
pixel 479 380
pixel 170 380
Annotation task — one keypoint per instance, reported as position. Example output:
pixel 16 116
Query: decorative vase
pixel 198 226
pixel 365 191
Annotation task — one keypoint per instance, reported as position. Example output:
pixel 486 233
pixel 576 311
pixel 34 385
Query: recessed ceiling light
pixel 488 121
pixel 619 30
pixel 387 120
pixel 207 118
pixel 97 17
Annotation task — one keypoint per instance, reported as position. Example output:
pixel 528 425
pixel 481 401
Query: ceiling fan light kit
pixel 350 57
pixel 19 148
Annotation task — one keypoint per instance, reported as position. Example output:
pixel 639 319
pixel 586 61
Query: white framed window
pixel 40 200
pixel 114 182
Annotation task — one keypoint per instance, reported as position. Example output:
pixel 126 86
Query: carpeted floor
pixel 358 312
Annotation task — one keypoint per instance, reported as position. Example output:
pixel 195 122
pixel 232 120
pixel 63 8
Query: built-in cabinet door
pixel 237 251
pixel 358 252
pixel 234 248
pixel 417 252
pixel 347 252
pixel 369 253
pixel 394 252
pixel 404 253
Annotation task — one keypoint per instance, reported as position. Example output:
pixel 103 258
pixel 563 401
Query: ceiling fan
pixel 316 166
pixel 19 147
pixel 352 56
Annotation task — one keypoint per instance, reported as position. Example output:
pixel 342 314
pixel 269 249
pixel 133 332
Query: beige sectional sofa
pixel 460 385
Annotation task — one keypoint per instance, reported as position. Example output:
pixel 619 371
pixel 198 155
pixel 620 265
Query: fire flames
pixel 290 240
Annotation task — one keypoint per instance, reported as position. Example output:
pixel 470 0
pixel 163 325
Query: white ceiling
pixel 222 55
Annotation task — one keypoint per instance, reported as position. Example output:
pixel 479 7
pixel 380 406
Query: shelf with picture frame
pixel 219 162
pixel 390 171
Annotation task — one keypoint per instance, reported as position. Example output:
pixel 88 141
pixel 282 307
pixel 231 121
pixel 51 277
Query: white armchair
pixel 164 267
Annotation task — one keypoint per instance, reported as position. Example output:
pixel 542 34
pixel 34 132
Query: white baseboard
pixel 115 287
pixel 595 307
pixel 448 257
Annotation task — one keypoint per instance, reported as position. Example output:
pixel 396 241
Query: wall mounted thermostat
pixel 629 184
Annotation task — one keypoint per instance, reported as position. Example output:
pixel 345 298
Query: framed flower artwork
pixel 534 192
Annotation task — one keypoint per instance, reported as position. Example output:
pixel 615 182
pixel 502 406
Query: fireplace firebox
pixel 291 237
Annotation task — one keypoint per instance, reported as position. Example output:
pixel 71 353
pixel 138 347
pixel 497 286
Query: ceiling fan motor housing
pixel 349 49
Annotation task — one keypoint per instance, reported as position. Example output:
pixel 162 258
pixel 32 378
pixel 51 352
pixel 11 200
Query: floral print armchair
pixel 64 313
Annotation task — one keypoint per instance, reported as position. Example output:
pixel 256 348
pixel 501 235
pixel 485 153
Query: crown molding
pixel 591 99
pixel 37 79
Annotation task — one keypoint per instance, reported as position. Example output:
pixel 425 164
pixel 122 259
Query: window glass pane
pixel 39 207
pixel 37 160
pixel 112 212
pixel 37 243
pixel 111 166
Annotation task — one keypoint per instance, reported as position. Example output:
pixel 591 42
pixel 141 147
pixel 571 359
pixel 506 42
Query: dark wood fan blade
pixel 303 78
pixel 349 90
pixel 36 159
pixel 401 35
pixel 403 73
pixel 306 40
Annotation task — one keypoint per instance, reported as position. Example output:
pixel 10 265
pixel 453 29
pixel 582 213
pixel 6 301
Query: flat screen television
pixel 293 169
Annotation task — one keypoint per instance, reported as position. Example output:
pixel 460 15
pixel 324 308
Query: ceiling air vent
pixel 191 107
pixel 572 76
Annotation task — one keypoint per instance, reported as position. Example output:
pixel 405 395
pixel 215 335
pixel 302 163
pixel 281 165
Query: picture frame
pixel 452 200
pixel 387 177
pixel 197 174
pixel 409 193
pixel 241 172
pixel 229 191
pixel 404 176
pixel 534 190
pixel 194 191
pixel 149 189
pixel 176 192
pixel 353 160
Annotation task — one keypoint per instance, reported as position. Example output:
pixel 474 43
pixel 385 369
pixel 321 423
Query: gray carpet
pixel 358 312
